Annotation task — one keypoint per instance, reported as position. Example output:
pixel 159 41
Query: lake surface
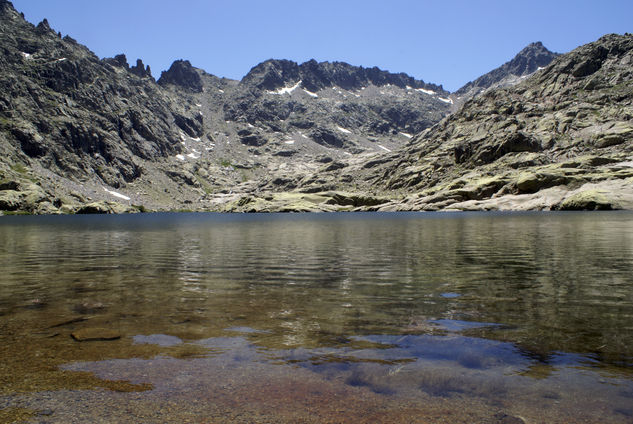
pixel 447 317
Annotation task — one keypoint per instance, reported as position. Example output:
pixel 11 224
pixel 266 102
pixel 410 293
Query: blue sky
pixel 446 42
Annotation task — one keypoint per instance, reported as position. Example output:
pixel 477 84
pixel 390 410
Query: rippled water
pixel 318 318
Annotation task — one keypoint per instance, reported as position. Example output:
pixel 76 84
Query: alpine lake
pixel 317 318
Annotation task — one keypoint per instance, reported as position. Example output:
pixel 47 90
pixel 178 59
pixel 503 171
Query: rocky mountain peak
pixel 119 60
pixel 182 74
pixel 44 27
pixel 526 62
pixel 272 74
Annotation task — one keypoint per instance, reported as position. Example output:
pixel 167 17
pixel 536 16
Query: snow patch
pixel 442 99
pixel 406 135
pixel 310 93
pixel 384 148
pixel 429 92
pixel 115 194
pixel 343 130
pixel 220 90
pixel 193 156
pixel 348 153
pixel 286 90
pixel 196 139
pixel 289 142
pixel 198 104
pixel 26 55
pixel 181 157
pixel 250 125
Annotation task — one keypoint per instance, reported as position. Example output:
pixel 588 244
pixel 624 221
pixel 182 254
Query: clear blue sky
pixel 447 42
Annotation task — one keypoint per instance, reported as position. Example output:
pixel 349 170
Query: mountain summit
pixel 525 63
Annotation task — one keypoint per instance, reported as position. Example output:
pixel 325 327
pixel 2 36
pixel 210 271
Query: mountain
pixel 561 139
pixel 79 134
pixel 529 60
pixel 77 130
pixel 72 125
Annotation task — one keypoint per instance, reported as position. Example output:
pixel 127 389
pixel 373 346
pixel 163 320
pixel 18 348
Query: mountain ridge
pixel 79 134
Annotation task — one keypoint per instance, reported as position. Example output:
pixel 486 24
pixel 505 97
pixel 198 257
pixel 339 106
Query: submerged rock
pixel 508 419
pixel 95 334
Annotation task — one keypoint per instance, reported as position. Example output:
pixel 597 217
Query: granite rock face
pixel 68 117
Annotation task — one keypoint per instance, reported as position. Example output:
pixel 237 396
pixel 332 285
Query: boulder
pixel 104 207
pixel 588 200
pixel 327 138
pixel 528 182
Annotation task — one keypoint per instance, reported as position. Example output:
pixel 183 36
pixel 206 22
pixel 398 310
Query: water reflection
pixel 366 298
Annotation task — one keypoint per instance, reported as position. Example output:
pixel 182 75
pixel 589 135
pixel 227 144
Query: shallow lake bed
pixel 446 317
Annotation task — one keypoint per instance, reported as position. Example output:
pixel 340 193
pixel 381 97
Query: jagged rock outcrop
pixel 141 70
pixel 272 74
pixel 181 73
